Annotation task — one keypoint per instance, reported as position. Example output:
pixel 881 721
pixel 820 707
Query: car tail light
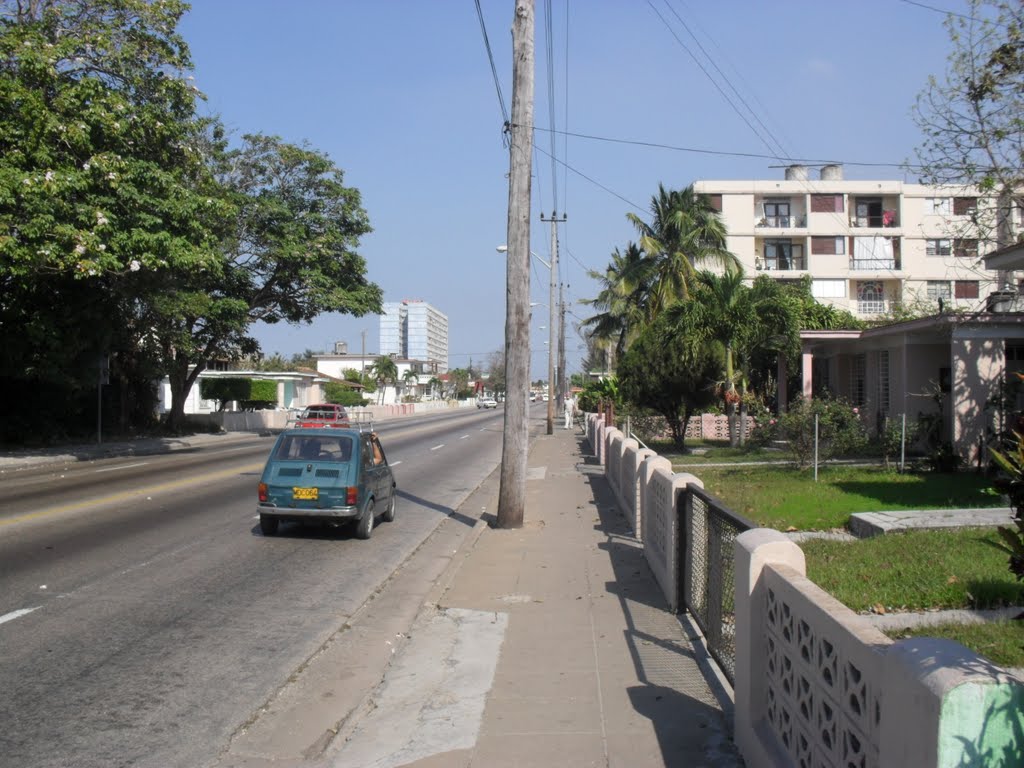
pixel 352 495
pixel 262 489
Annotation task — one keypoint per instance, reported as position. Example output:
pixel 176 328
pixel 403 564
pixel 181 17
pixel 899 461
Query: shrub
pixel 1011 482
pixel 251 394
pixel 339 394
pixel 840 430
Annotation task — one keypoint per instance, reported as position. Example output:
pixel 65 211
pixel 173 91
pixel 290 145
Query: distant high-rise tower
pixel 414 330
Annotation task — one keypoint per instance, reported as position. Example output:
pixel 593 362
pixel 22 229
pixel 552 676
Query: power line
pixel 726 153
pixel 549 47
pixel 939 10
pixel 611 192
pixel 494 69
pixel 728 82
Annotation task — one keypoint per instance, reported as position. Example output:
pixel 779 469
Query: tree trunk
pixel 181 380
pixel 743 424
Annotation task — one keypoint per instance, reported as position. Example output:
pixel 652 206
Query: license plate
pixel 306 493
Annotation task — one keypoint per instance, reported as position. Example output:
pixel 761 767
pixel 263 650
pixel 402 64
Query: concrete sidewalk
pixel 549 645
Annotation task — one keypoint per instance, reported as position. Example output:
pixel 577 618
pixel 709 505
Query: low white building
pixel 424 370
pixel 295 389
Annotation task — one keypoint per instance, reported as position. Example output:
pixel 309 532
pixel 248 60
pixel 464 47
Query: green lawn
pixel 1001 642
pixel 785 498
pixel 916 570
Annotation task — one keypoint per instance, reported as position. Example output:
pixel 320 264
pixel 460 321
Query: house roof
pixel 1010 257
pixel 940 326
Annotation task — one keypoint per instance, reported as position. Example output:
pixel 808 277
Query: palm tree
pixel 385 372
pixel 434 386
pixel 410 379
pixel 684 231
pixel 622 300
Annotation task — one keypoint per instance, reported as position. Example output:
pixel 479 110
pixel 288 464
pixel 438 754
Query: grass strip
pixel 1001 642
pixel 787 498
pixel 915 571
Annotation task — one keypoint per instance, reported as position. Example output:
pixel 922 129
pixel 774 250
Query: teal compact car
pixel 326 476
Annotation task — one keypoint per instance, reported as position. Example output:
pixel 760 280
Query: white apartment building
pixel 413 329
pixel 866 245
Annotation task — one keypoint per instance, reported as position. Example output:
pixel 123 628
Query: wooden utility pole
pixel 512 494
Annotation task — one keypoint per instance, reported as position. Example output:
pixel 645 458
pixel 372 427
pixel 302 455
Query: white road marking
pixel 437 446
pixel 395 463
pixel 17 614
pixel 123 466
pixel 463 437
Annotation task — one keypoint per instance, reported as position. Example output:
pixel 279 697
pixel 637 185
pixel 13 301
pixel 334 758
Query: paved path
pixel 550 646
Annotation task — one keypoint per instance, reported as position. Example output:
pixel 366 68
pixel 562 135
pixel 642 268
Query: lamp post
pixel 551 342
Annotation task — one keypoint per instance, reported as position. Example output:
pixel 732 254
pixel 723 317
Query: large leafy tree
pixel 684 231
pixel 971 116
pixel 102 184
pixel 668 371
pixel 290 255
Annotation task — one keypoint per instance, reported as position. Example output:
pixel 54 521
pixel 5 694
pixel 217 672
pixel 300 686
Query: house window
pixel 883 381
pixel 868 212
pixel 828 245
pixel 715 202
pixel 965 248
pixel 966 289
pixel 828 289
pixel 826 203
pixel 940 206
pixel 858 367
pixel 870 297
pixel 783 255
pixel 938 289
pixel 776 213
pixel 965 206
pixel 938 247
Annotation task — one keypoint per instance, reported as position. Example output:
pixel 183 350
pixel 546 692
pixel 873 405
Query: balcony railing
pixel 869 265
pixel 781 263
pixel 872 306
pixel 782 222
pixel 883 220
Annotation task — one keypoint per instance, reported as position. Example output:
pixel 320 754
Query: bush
pixel 840 430
pixel 251 394
pixel 339 394
pixel 892 436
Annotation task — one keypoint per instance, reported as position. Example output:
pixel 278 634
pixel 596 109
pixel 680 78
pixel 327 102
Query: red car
pixel 322 415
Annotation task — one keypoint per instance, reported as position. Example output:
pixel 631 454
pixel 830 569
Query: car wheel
pixel 268 525
pixel 389 512
pixel 364 528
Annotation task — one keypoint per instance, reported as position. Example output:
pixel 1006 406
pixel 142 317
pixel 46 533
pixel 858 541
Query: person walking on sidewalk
pixel 569 409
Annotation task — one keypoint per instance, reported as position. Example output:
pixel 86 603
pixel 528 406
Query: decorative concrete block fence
pixel 815 684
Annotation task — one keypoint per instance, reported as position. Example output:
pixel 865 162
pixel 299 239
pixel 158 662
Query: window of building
pixel 965 206
pixel 828 245
pixel 776 213
pixel 826 203
pixel 783 255
pixel 965 248
pixel 868 212
pixel 883 381
pixel 715 202
pixel 940 206
pixel 858 368
pixel 870 297
pixel 939 289
pixel 966 289
pixel 828 289
pixel 938 247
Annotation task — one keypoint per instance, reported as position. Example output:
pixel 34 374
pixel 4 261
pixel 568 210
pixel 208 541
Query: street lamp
pixel 551 342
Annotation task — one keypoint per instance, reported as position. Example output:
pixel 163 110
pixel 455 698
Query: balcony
pixel 874 254
pixel 874 213
pixel 781 263
pixel 782 222
pixel 873 306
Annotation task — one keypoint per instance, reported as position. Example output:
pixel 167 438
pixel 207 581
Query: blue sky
pixel 400 94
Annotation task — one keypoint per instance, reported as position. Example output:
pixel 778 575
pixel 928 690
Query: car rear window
pixel 316 447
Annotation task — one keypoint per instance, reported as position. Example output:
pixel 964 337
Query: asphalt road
pixel 143 618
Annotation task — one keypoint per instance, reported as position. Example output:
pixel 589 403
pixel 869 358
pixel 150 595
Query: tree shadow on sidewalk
pixel 679 695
